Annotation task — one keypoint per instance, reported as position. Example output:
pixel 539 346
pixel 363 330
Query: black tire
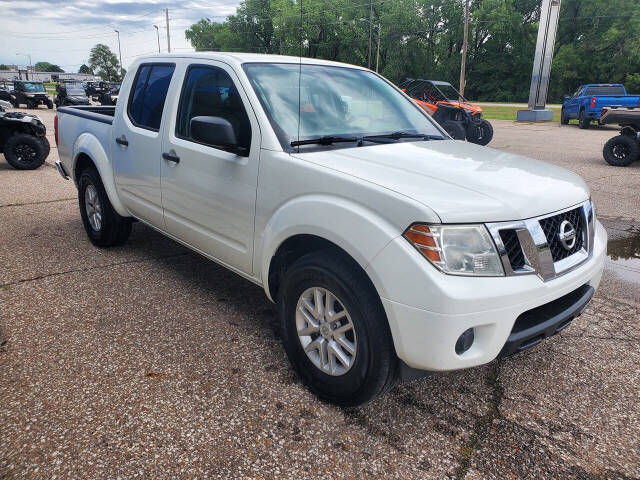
pixel 46 145
pixel 25 152
pixel 49 104
pixel 480 132
pixel 583 121
pixel 621 151
pixel 455 129
pixel 564 118
pixel 30 104
pixel 114 229
pixel 375 364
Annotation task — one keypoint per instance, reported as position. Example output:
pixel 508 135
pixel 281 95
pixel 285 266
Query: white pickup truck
pixel 387 246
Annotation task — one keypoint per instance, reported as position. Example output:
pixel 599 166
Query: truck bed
pixel 99 113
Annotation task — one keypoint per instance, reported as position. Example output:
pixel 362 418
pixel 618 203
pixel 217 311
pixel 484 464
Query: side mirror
pixel 214 131
pixel 567 97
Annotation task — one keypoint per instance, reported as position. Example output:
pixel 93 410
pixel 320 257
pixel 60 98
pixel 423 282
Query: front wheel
pixel 455 129
pixel 564 118
pixel 49 104
pixel 25 152
pixel 104 226
pixel 334 329
pixel 621 151
pixel 480 132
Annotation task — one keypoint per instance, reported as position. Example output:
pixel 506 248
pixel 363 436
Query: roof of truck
pixel 240 58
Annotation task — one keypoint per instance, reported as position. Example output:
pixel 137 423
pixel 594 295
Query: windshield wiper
pixel 399 135
pixel 326 140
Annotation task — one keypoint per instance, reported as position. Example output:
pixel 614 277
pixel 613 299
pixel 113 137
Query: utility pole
pixel 119 53
pixel 465 44
pixel 158 33
pixel 166 11
pixel 370 33
pixel 379 35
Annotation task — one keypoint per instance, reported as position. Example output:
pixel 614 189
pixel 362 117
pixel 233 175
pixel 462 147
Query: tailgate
pixel 617 101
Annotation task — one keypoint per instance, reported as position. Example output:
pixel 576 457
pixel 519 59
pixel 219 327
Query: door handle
pixel 122 140
pixel 171 157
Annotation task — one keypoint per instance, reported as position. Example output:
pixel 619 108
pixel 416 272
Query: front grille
pixel 513 248
pixel 551 229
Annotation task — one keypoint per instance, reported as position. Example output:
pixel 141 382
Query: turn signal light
pixel 422 238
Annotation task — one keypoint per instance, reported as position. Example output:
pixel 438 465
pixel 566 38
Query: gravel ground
pixel 149 361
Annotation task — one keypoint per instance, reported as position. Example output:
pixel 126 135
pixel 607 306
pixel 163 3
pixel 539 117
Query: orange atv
pixel 461 119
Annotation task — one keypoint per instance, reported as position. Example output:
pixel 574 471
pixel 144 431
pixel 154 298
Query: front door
pixel 209 193
pixel 136 151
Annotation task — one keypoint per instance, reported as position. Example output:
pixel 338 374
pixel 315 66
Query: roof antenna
pixel 300 75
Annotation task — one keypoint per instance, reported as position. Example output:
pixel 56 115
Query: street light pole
pixel 119 53
pixel 158 33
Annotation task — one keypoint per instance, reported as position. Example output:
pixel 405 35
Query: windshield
pixel 333 101
pixel 33 87
pixel 75 92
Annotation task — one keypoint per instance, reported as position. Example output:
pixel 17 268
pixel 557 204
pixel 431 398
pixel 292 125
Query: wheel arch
pixel 351 229
pixel 87 151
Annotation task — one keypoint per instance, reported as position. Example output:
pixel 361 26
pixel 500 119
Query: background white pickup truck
pixel 387 246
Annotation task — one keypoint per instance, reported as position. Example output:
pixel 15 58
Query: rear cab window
pixel 148 95
pixel 605 90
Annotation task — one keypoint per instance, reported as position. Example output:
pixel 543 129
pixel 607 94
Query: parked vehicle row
pixel 388 247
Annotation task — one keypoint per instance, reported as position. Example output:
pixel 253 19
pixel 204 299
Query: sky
pixel 64 31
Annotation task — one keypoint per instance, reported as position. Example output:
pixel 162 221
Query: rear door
pixel 136 151
pixel 571 106
pixel 209 194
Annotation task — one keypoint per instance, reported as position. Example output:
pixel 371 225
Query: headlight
pixel 457 249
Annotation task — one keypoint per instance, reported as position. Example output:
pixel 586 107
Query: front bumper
pixel 428 310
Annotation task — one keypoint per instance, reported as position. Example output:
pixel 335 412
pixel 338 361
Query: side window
pixel 210 92
pixel 149 93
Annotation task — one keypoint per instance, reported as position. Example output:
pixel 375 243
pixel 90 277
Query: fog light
pixel 465 341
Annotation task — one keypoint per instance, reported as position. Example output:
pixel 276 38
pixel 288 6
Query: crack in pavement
pixel 4 286
pixel 483 424
pixel 66 199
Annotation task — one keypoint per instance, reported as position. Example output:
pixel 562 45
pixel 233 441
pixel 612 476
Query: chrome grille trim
pixel 537 254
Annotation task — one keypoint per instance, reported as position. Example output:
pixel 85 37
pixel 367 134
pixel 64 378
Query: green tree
pixel 3 66
pixel 423 39
pixel 104 62
pixel 47 67
pixel 85 69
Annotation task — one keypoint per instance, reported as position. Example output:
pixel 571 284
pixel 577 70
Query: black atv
pixel 71 94
pixel 623 149
pixel 31 94
pixel 22 139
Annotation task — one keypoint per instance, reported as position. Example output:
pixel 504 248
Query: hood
pixel 460 181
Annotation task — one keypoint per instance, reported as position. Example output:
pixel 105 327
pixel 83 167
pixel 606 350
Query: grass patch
pixel 499 112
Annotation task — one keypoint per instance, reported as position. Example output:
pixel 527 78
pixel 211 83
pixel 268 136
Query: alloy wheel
pixel 325 331
pixel 93 207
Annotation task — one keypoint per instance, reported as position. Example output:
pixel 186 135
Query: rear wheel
pixel 25 152
pixel 621 151
pixel 334 329
pixel 104 226
pixel 583 121
pixel 480 132
pixel 455 129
